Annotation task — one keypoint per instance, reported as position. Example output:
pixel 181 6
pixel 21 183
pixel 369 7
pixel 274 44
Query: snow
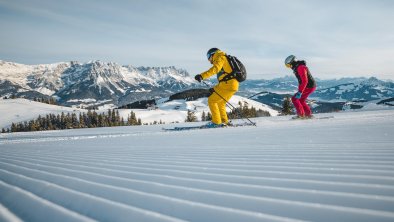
pixel 345 88
pixel 141 90
pixel 167 112
pixel 20 110
pixel 374 106
pixel 45 91
pixel 176 110
pixel 18 73
pixel 338 169
pixel 90 100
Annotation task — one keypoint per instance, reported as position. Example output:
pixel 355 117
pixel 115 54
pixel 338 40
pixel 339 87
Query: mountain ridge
pixel 70 81
pixel 97 83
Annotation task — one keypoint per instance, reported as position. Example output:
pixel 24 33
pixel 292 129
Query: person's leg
pixel 298 106
pixel 226 94
pixel 305 95
pixel 213 103
pixel 223 92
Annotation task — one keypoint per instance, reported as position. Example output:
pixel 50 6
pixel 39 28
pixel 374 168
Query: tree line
pixel 243 110
pixel 91 119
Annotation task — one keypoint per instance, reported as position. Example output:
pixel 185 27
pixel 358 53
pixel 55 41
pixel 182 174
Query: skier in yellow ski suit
pixel 225 89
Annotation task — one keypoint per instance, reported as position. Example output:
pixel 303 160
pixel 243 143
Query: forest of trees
pixel 243 111
pixel 74 121
pixel 50 100
pixel 92 119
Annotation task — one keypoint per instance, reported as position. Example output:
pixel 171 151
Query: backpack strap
pixel 228 77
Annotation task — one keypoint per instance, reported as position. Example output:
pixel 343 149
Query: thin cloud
pixel 347 38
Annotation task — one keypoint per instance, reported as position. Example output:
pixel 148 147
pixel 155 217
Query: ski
pixel 325 117
pixel 322 117
pixel 182 128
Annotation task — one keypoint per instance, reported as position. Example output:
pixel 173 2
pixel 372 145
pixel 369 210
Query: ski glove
pixel 298 95
pixel 211 91
pixel 198 78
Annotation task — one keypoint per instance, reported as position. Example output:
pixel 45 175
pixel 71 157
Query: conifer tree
pixel 286 107
pixel 50 121
pixel 132 120
pixel 94 119
pixel 89 119
pixel 67 121
pixel 191 117
pixel 113 118
pixel 203 117
pixel 74 121
pixel 32 126
pixel 23 126
pixel 81 121
pixel 209 117
pixel 13 127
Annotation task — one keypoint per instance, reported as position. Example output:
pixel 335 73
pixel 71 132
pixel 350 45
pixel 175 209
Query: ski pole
pixel 232 107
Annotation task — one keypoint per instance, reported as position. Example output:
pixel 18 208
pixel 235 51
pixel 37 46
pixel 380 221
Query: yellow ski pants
pixel 217 104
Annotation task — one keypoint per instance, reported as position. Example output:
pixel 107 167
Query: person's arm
pixel 217 66
pixel 303 73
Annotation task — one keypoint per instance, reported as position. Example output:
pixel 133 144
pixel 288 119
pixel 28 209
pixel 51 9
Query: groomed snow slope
pixel 339 169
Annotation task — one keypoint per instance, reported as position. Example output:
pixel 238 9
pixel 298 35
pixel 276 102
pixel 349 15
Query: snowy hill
pixel 176 110
pixel 20 110
pixel 338 169
pixel 99 82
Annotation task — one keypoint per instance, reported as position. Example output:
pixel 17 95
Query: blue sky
pixel 337 38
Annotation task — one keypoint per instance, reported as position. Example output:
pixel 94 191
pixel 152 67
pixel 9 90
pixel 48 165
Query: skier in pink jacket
pixel 306 86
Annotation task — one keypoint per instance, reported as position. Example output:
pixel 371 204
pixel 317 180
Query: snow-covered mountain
pixel 369 89
pixel 289 84
pixel 331 95
pixel 95 82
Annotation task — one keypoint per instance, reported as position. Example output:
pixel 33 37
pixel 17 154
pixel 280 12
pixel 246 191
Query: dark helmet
pixel 289 60
pixel 211 52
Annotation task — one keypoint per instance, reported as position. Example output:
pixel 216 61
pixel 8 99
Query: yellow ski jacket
pixel 221 68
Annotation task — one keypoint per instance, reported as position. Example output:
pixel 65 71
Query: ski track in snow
pixel 339 169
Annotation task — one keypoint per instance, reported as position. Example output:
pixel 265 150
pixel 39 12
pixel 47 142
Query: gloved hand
pixel 298 95
pixel 198 78
pixel 211 90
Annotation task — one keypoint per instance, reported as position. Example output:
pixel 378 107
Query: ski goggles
pixel 288 65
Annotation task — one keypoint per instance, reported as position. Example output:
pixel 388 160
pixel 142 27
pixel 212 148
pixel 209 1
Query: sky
pixel 353 38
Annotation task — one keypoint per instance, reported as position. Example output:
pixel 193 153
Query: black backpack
pixel 239 71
